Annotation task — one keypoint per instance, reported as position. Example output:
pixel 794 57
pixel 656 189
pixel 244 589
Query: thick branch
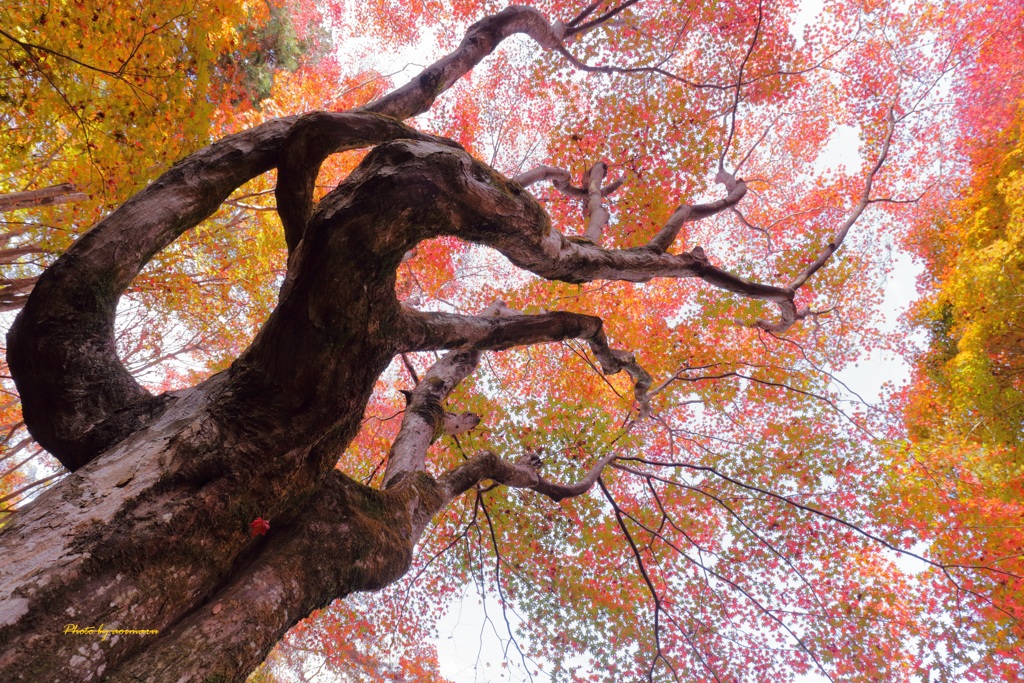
pixel 424 419
pixel 426 331
pixel 313 138
pixel 524 234
pixel 497 328
pixel 597 215
pixel 561 180
pixel 78 398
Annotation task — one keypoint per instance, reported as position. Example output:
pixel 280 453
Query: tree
pixel 724 469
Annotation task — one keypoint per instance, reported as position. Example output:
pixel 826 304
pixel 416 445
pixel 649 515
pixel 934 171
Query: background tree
pixel 962 457
pixel 718 520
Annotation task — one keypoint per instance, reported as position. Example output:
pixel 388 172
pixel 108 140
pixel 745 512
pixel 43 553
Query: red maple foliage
pixel 259 526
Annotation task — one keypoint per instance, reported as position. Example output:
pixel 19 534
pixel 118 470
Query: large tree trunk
pixel 125 544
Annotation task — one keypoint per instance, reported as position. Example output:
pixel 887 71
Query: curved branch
pixel 524 473
pixel 688 213
pixel 491 210
pixel 425 331
pixel 314 137
pixel 78 398
pixel 561 180
pixel 481 39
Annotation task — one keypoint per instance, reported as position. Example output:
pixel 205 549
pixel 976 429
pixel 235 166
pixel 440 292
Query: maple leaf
pixel 259 526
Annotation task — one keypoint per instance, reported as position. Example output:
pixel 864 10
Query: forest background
pixel 96 103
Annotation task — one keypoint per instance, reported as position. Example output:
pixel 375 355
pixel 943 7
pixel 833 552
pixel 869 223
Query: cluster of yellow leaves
pixel 964 481
pixel 975 368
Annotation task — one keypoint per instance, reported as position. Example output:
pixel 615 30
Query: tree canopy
pixel 565 317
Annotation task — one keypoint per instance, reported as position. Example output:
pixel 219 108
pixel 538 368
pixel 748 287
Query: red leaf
pixel 259 526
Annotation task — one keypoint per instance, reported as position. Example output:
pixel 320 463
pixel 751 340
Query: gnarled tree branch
pixel 562 181
pixel 312 138
pixel 426 331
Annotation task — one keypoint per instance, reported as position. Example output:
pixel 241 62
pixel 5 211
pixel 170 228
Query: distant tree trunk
pixel 56 194
pixel 14 290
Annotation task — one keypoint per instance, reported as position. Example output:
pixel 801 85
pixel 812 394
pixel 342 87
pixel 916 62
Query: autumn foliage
pixel 757 519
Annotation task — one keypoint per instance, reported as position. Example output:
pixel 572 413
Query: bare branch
pixel 524 473
pixel 424 331
pixel 858 209
pixel 56 194
pixel 575 28
pixel 790 312
pixel 561 180
pixel 424 419
pixel 688 213
pixel 29 487
pixel 658 654
pixel 739 86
